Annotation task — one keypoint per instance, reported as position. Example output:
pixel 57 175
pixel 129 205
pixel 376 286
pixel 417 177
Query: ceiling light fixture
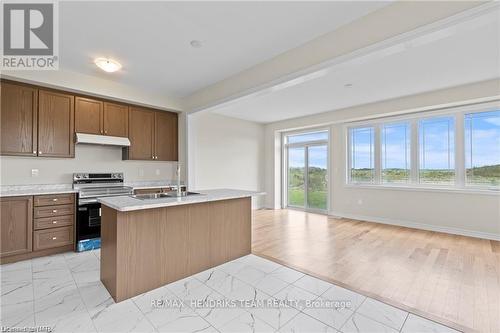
pixel 107 65
pixel 196 44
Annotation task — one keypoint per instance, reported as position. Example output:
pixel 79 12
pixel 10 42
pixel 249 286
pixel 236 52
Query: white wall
pixel 225 152
pixel 462 213
pixel 88 158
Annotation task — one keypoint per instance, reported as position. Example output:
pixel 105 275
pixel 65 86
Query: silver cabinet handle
pixel 39 152
pixel 54 238
pixel 34 152
pixel 54 222
pixel 55 199
pixel 54 210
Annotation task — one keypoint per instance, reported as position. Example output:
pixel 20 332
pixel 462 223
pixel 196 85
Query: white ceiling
pixel 152 39
pixel 459 54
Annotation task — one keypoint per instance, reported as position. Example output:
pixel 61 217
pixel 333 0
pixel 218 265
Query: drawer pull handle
pixel 55 199
pixel 54 222
pixel 54 238
pixel 54 211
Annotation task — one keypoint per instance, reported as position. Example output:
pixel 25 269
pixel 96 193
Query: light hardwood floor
pixel 451 279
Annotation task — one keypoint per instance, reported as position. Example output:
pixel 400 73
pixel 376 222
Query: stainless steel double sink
pixel 152 196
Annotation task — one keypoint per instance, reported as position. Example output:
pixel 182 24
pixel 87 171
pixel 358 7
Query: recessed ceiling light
pixel 348 85
pixel 196 44
pixel 107 65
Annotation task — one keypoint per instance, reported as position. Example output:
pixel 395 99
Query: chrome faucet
pixel 178 173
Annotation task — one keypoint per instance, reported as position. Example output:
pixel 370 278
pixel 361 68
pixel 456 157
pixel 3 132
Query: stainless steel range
pixel 91 186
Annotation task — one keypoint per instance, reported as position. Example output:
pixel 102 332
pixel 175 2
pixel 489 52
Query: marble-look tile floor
pixel 250 294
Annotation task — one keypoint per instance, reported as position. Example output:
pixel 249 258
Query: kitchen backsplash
pixel 88 158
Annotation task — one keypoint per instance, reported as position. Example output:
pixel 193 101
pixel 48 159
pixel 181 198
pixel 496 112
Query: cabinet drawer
pixel 49 238
pixel 54 199
pixel 54 222
pixel 49 211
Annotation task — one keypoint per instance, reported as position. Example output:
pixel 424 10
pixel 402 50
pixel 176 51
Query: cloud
pixel 493 120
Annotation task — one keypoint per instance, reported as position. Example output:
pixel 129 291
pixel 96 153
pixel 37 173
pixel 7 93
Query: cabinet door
pixel 88 116
pixel 115 119
pixel 16 225
pixel 166 136
pixel 141 134
pixel 56 113
pixel 18 120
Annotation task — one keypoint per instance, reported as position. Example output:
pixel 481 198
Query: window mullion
pixel 459 150
pixel 414 151
pixel 377 155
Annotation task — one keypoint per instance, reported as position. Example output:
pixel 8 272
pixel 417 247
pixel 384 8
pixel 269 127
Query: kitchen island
pixel 148 243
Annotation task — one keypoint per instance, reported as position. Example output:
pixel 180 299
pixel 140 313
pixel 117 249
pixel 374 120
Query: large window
pixel 455 148
pixel 437 152
pixel 362 155
pixel 482 148
pixel 396 153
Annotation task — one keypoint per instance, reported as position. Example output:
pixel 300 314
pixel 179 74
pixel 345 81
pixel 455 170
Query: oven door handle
pixel 82 201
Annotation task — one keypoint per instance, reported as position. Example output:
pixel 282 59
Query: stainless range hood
pixel 102 140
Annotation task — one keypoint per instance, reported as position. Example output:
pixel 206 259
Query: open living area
pixel 246 166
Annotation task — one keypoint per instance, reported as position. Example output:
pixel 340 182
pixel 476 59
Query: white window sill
pixel 444 189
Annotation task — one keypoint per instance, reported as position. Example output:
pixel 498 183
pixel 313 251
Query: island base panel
pixel 146 249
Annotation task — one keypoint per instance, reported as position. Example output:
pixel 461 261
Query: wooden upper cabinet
pixel 16 225
pixel 88 116
pixel 166 136
pixel 18 115
pixel 56 113
pixel 115 119
pixel 141 134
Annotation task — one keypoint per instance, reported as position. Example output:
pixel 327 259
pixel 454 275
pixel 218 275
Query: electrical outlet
pixel 360 201
pixel 157 172
pixel 34 172
pixel 141 172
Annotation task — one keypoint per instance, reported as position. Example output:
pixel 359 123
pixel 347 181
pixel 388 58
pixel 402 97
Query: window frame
pixel 458 114
pixel 420 154
pixel 349 155
pixel 410 138
pixel 465 184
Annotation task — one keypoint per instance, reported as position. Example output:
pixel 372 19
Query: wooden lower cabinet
pixel 51 211
pixel 16 225
pixel 34 226
pixel 145 249
pixel 50 238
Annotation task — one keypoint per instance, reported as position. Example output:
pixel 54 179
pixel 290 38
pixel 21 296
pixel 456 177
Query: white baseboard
pixel 416 225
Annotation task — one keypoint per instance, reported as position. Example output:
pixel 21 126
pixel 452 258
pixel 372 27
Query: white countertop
pixel 42 189
pixel 128 203
pixel 21 190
